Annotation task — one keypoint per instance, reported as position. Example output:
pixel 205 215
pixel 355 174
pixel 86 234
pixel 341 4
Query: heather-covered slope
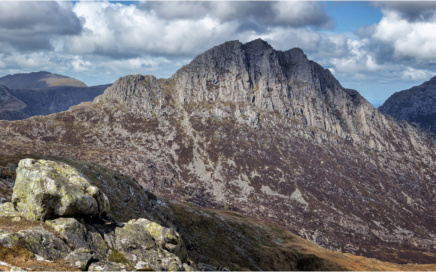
pixel 417 105
pixel 214 239
pixel 267 133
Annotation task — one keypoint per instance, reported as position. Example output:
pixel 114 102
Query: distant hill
pixel 38 80
pixel 11 108
pixel 42 93
pixel 417 105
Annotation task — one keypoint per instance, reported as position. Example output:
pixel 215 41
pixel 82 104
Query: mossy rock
pixel 47 189
pixel 41 242
pixel 7 209
pixel 80 258
pixel 143 243
pixel 78 236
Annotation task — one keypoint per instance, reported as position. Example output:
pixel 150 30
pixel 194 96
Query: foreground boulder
pixel 80 232
pixel 47 189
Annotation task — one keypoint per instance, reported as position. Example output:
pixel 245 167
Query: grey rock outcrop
pixel 38 241
pixel 46 190
pixel 415 105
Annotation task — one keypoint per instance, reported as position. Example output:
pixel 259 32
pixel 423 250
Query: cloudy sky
pixel 377 48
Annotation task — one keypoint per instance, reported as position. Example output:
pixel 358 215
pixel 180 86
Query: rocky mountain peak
pixel 414 105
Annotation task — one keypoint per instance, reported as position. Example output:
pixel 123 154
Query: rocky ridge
pixel 414 105
pixel 267 133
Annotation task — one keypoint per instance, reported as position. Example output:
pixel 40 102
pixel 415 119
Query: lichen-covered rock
pixel 8 239
pixel 38 241
pixel 78 236
pixel 133 237
pixel 70 230
pixel 48 189
pixel 166 238
pixel 144 243
pixel 155 259
pixel 44 243
pixel 16 268
pixel 108 266
pixel 80 258
pixel 7 209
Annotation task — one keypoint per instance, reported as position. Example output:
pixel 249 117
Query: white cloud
pixel 31 25
pixel 115 29
pixel 79 65
pixel 413 40
pixel 286 13
pixel 415 74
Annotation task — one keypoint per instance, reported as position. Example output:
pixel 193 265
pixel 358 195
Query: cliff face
pixel 268 133
pixel 414 105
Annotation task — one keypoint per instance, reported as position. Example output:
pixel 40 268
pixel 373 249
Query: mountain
pixel 44 101
pixel 42 93
pixel 11 108
pixel 416 105
pixel 266 133
pixel 38 80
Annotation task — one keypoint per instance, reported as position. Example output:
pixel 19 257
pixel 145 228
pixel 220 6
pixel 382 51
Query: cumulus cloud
pixel 115 29
pixel 30 25
pixel 416 74
pixel 409 40
pixel 295 14
pixel 410 10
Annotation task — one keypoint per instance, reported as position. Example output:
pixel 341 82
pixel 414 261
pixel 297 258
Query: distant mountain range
pixel 417 105
pixel 267 133
pixel 37 80
pixel 42 93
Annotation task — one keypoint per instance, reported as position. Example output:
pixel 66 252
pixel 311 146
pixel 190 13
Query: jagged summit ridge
pixel 258 76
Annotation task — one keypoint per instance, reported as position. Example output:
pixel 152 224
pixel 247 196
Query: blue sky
pixel 375 47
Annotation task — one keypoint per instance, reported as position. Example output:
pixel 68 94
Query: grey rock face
pixel 415 105
pixel 38 241
pixel 79 236
pixel 80 258
pixel 47 189
pixel 141 242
